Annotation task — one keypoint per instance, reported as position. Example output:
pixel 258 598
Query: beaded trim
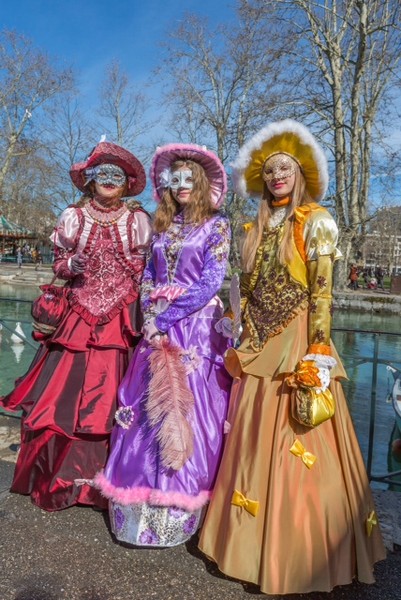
pixel 105 216
pixel 278 216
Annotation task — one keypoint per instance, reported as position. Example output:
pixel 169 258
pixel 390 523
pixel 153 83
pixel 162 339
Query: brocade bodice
pixel 187 267
pixel 273 294
pixel 115 250
pixel 273 299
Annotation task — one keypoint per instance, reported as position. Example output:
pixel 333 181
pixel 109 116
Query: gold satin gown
pixel 275 519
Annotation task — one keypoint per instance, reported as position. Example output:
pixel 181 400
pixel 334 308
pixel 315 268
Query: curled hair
pixel 252 239
pixel 198 210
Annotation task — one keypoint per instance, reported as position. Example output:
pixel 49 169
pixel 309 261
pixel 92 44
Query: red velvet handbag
pixel 48 310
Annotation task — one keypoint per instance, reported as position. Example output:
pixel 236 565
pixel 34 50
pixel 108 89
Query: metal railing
pixel 388 477
pixel 11 330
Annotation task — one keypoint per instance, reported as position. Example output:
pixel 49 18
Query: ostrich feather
pixel 169 404
pixel 235 303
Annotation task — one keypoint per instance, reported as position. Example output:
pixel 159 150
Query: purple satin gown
pixel 152 505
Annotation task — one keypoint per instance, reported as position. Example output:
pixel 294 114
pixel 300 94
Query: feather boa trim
pixel 153 497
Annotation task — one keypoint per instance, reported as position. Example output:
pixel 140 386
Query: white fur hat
pixel 289 137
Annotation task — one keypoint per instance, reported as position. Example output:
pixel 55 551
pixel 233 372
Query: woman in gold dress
pixel 292 510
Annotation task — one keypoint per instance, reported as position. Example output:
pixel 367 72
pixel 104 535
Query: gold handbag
pixel 309 405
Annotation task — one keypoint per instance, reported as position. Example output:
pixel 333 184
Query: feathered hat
pixel 166 155
pixel 107 152
pixel 289 137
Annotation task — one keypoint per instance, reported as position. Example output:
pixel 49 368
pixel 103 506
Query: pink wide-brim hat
pixel 107 152
pixel 214 170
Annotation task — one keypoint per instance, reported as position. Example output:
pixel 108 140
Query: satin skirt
pixel 68 398
pixel 272 520
pixel 152 504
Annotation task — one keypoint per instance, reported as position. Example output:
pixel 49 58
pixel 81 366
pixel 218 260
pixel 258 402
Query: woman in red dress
pixel 68 395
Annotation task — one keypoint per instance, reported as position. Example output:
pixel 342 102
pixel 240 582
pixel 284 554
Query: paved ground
pixel 71 555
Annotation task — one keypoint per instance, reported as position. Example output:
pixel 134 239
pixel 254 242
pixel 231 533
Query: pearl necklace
pixel 105 216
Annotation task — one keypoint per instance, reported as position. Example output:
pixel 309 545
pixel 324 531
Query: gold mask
pixel 278 167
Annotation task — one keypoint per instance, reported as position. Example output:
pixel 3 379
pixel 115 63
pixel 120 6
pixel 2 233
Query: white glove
pixel 324 363
pixel 150 331
pixel 225 327
pixel 77 263
pixel 322 360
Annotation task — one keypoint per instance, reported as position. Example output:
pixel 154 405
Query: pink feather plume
pixel 170 403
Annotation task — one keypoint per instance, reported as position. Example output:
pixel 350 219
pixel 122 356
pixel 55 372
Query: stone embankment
pixel 27 275
pixel 372 301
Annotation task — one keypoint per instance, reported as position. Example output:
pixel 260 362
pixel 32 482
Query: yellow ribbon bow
pixel 370 522
pixel 251 506
pixel 307 458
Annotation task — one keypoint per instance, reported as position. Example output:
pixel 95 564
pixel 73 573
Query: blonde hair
pixel 253 237
pixel 198 210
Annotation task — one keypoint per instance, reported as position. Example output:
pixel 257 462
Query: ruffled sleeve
pixel 321 236
pixel 140 236
pixel 141 232
pixel 66 230
pixel 216 251
pixel 64 239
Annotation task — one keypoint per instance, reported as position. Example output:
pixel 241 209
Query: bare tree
pixel 214 80
pixel 66 139
pixel 122 107
pixel 31 200
pixel 27 83
pixel 341 75
pixel 382 241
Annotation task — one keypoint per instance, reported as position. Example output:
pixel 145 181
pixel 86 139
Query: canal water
pixel 356 349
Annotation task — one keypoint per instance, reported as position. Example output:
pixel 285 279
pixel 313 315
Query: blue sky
pixel 88 34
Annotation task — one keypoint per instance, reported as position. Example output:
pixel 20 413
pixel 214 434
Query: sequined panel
pixel 276 299
pixel 174 241
pixel 154 526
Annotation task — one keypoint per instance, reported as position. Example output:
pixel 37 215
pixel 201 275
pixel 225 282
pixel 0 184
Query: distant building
pixel 382 243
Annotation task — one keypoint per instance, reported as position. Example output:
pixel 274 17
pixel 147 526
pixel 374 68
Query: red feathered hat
pixel 107 152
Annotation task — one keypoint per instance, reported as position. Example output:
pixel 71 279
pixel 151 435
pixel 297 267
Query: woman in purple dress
pixel 167 443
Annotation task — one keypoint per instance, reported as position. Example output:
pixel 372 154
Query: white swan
pixel 20 338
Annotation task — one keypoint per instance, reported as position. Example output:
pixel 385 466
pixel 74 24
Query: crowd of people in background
pixel 373 277
pixel 25 253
